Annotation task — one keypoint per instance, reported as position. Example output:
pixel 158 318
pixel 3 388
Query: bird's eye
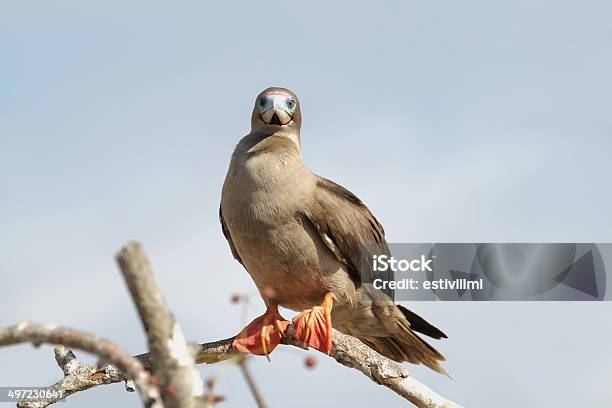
pixel 291 103
pixel 261 102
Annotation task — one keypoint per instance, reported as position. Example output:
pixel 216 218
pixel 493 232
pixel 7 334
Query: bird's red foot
pixel 313 327
pixel 263 334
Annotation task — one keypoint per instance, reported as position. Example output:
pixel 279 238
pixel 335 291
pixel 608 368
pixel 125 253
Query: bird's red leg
pixel 314 327
pixel 263 334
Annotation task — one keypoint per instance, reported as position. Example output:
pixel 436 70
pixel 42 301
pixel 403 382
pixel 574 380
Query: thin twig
pixel 246 371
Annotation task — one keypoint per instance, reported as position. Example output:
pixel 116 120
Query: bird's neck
pixel 281 143
pixel 263 163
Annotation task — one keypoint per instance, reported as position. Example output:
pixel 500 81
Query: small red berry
pixel 210 383
pixel 236 298
pixel 218 398
pixel 310 362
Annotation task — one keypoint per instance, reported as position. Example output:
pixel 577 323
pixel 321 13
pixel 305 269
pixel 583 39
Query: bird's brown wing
pixel 227 235
pixel 349 230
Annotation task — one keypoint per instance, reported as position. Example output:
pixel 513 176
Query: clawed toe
pixel 313 327
pixel 263 334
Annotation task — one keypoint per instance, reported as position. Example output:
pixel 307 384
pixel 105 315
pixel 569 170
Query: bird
pixel 307 243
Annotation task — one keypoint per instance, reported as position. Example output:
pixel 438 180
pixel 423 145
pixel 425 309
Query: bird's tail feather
pixel 395 335
pixel 417 323
pixel 408 347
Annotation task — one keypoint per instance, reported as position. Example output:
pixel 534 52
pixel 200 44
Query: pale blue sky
pixel 454 121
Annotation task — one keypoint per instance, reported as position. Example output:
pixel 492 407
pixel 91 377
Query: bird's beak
pixel 275 111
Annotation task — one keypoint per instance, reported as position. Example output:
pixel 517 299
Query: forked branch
pixel 174 381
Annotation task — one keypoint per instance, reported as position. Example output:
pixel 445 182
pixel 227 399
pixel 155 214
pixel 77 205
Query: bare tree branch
pixel 171 359
pixel 346 350
pixel 37 334
pixel 351 352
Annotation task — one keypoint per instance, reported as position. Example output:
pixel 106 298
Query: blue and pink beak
pixel 276 108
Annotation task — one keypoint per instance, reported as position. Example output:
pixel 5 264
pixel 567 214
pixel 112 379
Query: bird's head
pixel 276 109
